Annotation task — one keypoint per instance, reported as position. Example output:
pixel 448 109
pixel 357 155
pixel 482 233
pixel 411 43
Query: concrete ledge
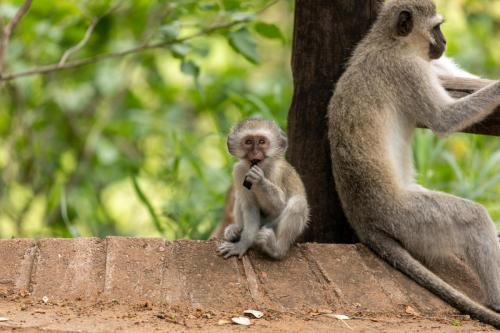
pixel 189 273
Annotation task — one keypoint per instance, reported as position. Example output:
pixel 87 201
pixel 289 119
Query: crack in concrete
pixel 24 280
pixel 34 265
pixel 324 280
pixel 252 281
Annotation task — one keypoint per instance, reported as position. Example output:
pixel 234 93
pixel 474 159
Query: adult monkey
pixel 389 87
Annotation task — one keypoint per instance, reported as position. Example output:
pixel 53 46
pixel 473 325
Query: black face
pixel 436 50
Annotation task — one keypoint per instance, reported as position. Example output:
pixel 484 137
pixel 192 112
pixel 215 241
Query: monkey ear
pixel 283 141
pixel 405 23
pixel 230 144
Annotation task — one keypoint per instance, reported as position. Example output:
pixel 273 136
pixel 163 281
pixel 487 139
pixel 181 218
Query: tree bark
pixel 325 33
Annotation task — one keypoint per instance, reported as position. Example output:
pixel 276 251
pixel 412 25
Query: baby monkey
pixel 270 209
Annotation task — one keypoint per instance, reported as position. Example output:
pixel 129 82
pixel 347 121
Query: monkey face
pixel 256 139
pixel 437 48
pixel 420 25
pixel 255 147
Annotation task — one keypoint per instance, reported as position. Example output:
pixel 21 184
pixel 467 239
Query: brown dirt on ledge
pixel 26 316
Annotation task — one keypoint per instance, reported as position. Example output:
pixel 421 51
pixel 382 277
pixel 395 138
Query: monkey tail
pixel 392 251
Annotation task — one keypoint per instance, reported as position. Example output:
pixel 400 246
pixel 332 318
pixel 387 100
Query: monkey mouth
pixel 255 161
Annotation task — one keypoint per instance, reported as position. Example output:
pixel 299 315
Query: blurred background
pixel 135 145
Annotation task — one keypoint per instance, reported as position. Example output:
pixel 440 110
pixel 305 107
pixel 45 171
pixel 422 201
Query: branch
pixel 9 28
pixel 78 63
pixel 266 7
pixel 81 44
pixel 88 33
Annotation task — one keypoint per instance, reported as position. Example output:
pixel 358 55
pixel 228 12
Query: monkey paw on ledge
pixel 346 278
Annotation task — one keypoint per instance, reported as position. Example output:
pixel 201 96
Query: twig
pixel 266 7
pixel 82 62
pixel 81 44
pixel 9 28
pixel 78 63
pixel 88 33
pixel 149 206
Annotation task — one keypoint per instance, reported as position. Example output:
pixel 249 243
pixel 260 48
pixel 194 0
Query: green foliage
pixel 242 42
pixel 131 145
pixel 135 145
pixel 472 29
pixel 268 30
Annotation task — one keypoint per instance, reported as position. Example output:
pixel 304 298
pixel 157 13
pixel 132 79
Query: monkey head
pixel 255 139
pixel 415 25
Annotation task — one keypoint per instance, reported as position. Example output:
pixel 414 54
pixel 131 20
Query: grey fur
pixel 275 211
pixel 389 87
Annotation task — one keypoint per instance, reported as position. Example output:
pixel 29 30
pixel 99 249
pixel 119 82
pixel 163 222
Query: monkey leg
pixel 232 232
pixel 434 223
pixel 287 227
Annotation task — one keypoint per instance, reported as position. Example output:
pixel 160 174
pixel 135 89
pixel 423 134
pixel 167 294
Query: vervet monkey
pixel 270 208
pixel 389 87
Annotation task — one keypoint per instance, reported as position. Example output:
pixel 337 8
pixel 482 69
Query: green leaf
pixel 188 67
pixel 169 32
pixel 268 30
pixel 231 5
pixel 242 42
pixel 5 121
pixel 179 51
pixel 147 203
pixel 202 51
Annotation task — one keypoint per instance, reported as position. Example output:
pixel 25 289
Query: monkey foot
pixel 228 249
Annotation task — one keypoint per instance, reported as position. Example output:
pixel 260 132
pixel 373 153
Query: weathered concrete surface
pixel 16 260
pixel 189 273
pixel 134 268
pixel 77 317
pixel 68 268
pixel 204 280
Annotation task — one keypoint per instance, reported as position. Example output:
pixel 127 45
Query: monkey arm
pixel 469 110
pixel 270 196
pixel 459 87
pixel 444 115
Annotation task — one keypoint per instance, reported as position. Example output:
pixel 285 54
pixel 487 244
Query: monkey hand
pixel 266 240
pixel 255 175
pixel 265 237
pixel 228 249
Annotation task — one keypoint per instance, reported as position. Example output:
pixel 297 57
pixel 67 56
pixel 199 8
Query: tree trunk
pixel 325 34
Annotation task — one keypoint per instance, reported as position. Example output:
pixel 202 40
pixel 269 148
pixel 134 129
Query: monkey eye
pixel 262 141
pixel 248 142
